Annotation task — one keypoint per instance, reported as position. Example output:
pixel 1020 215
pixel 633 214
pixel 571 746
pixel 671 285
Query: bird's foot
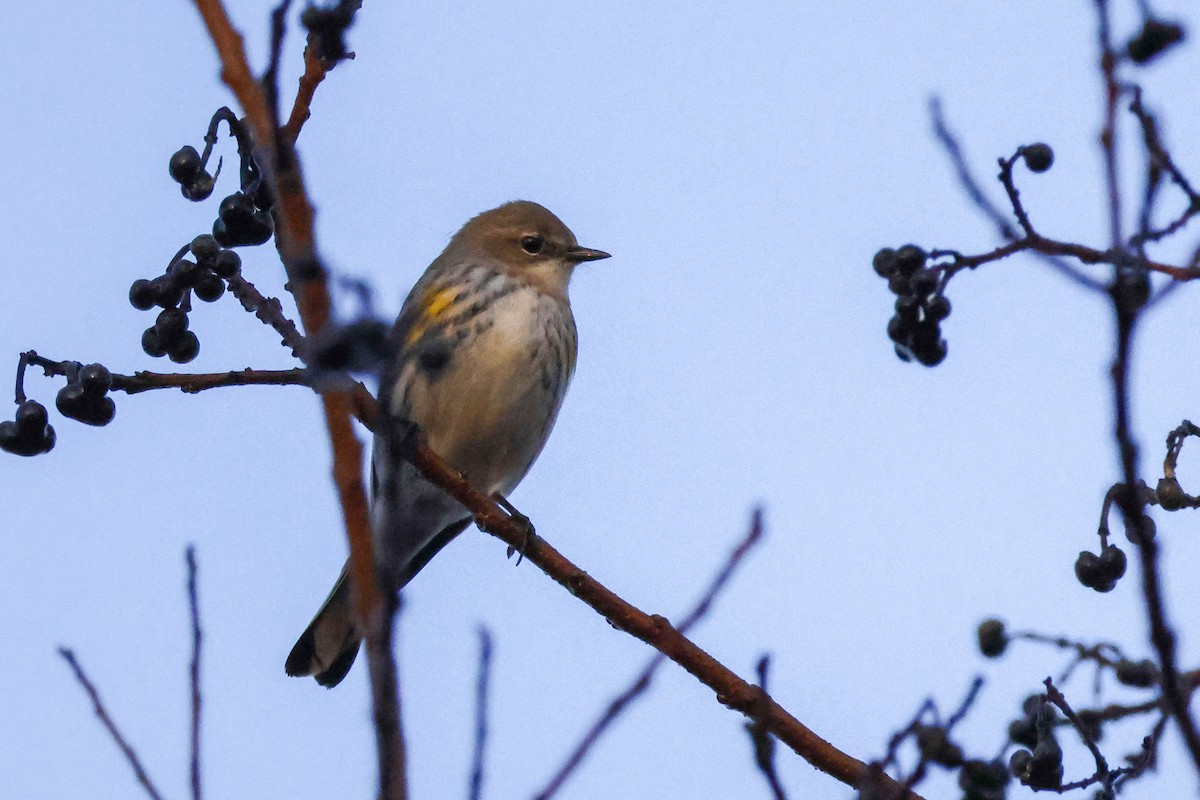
pixel 521 520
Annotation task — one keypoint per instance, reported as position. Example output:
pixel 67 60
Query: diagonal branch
pixel 127 750
pixel 640 684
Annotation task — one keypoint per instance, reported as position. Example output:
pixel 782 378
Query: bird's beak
pixel 586 254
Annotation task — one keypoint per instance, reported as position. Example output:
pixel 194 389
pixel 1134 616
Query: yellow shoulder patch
pixel 434 304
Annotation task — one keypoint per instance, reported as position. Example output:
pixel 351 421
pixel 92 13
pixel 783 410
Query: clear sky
pixel 742 163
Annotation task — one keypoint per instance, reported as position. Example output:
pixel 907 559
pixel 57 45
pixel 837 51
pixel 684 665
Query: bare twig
pixel 760 737
pixel 622 701
pixel 989 209
pixel 127 750
pixel 475 790
pixel 194 671
pixel 1108 134
pixel 269 310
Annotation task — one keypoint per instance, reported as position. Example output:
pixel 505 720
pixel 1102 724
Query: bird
pixel 479 359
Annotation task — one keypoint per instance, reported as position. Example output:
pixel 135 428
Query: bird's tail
pixel 327 648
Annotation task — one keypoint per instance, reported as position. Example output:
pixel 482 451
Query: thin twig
pixel 127 750
pixel 194 671
pixel 989 209
pixel 641 683
pixel 1108 134
pixel 760 737
pixel 475 790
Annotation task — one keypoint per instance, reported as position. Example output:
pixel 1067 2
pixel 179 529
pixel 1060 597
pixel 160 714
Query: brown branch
pixel 640 684
pixel 193 383
pixel 315 70
pixel 269 310
pixel 731 690
pixel 307 282
pixel 127 750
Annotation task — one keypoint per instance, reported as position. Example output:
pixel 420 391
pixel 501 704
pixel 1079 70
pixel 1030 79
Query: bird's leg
pixel 521 520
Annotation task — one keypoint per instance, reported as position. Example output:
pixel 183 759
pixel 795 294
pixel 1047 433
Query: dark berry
pixel 208 287
pixel 1023 731
pixel 903 353
pixel 1170 494
pixel 983 778
pixel 898 283
pixel 200 187
pixel 926 335
pixel 183 271
pixel 184 164
pixel 205 248
pixel 12 440
pixel 1154 37
pixel 168 291
pixel 924 282
pixel 1093 572
pixel 70 400
pixel 227 264
pixel 1131 289
pixel 1113 562
pixel 221 234
pixel 236 209
pixel 31 419
pixel 1142 674
pixel 937 308
pixel 360 346
pixel 142 294
pixel 150 344
pixel 98 411
pixel 908 307
pixel 936 746
pixel 1038 157
pixel 1045 765
pixel 186 349
pixel 170 325
pixel 909 259
pixel 934 354
pixel 993 638
pixel 884 262
pixel 1019 762
pixel 899 330
pixel 1143 532
pixel 95 379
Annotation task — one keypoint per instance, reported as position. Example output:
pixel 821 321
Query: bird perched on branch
pixel 481 356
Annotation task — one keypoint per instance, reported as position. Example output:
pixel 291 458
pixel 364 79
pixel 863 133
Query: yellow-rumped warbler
pixel 484 348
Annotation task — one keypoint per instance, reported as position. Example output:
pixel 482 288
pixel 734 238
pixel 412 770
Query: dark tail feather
pixel 329 644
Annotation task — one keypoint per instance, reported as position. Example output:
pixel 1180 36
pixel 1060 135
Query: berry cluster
pixel 1041 768
pixel 244 218
pixel 1101 572
pixel 30 434
pixel 85 397
pixel 171 291
pixel 915 329
pixel 187 169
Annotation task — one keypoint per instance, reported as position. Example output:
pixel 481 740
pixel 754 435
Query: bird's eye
pixel 532 244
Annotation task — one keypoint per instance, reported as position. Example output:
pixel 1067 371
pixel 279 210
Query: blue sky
pixel 742 164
